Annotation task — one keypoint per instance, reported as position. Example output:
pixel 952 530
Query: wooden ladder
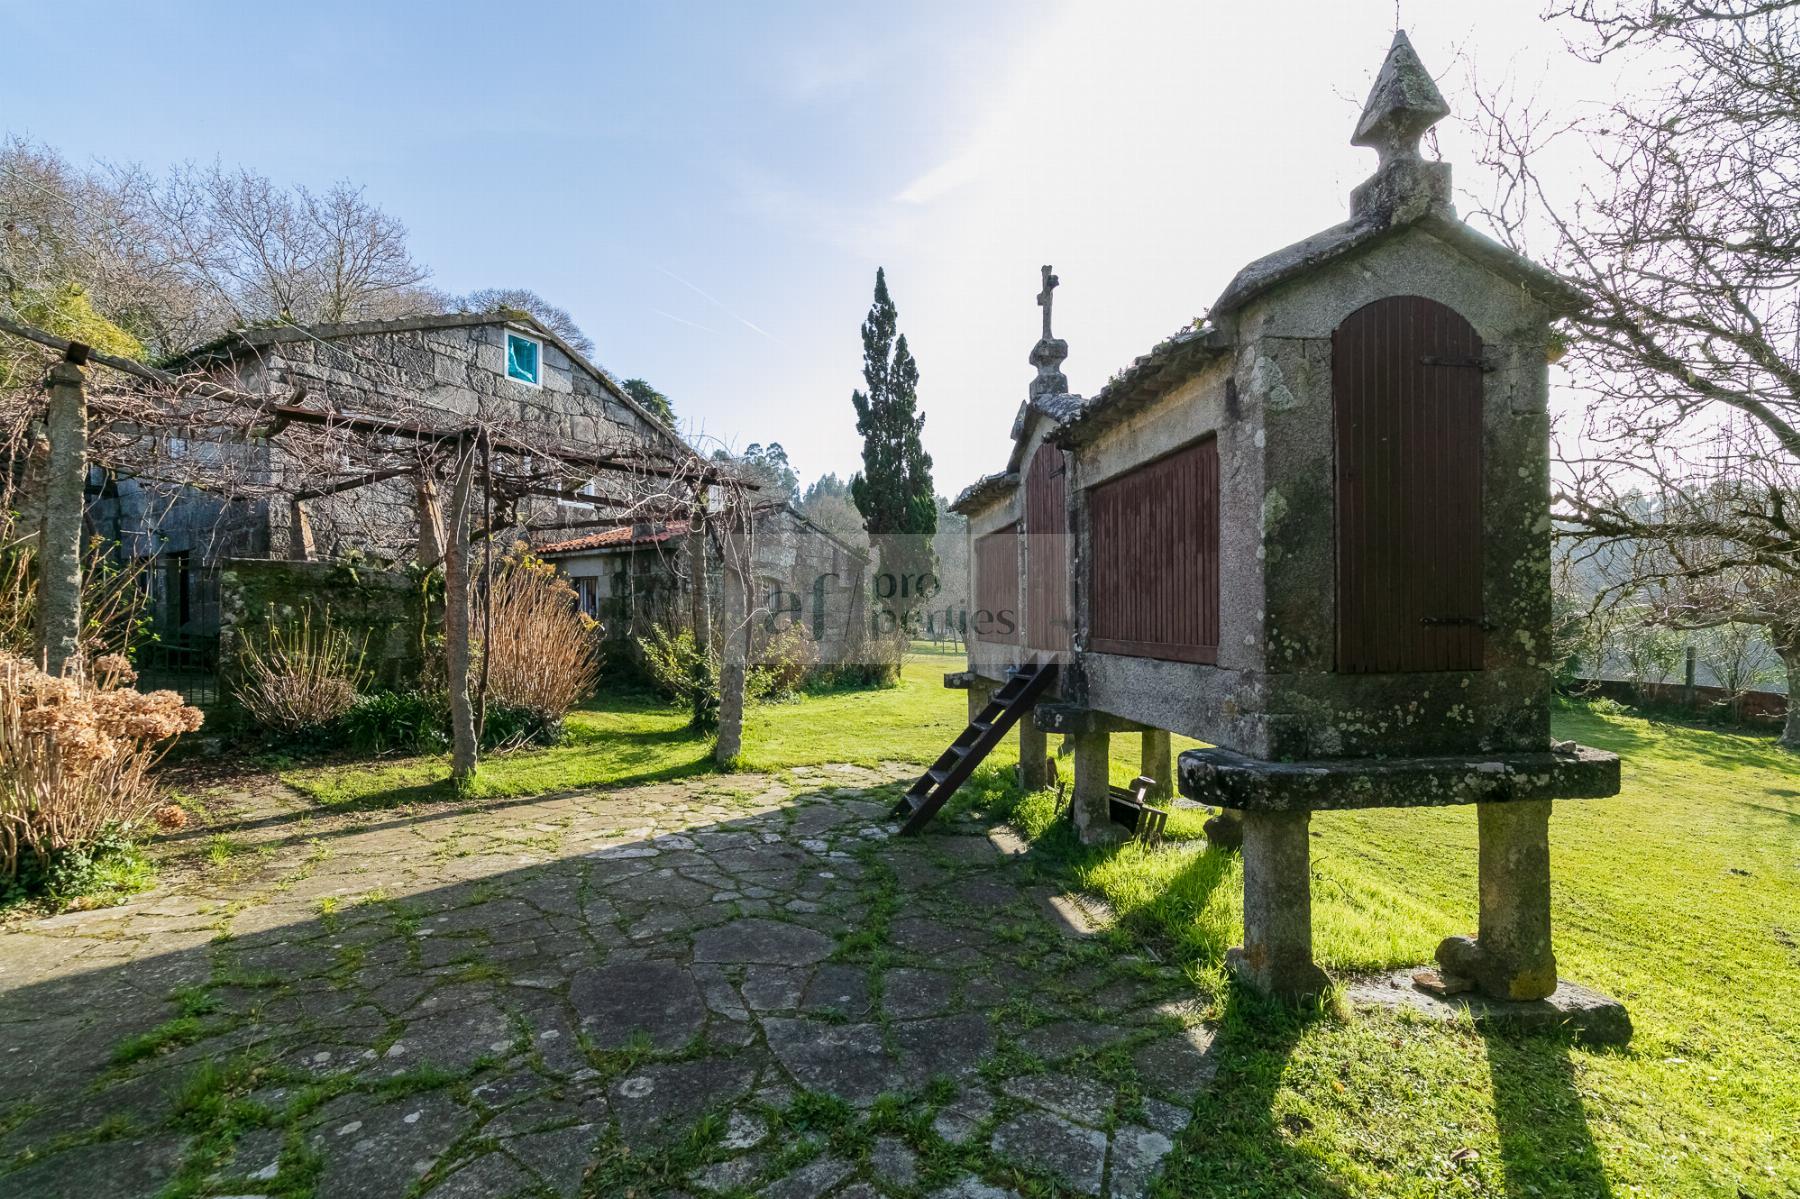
pixel 1014 699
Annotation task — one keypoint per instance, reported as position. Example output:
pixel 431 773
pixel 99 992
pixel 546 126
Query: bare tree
pixel 261 252
pixel 1687 238
pixel 523 299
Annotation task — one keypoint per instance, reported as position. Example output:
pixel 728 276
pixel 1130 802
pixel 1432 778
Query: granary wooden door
pixel 1047 550
pixel 996 615
pixel 1406 394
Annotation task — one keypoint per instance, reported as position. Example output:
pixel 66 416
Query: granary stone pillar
pixel 1276 958
pixel 1154 762
pixel 1225 828
pixel 981 691
pixel 1034 754
pixel 1093 821
pixel 1511 955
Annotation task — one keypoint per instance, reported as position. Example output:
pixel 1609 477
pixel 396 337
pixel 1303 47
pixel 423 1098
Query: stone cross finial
pixel 1048 354
pixel 1402 105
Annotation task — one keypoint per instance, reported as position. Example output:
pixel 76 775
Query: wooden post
pixel 300 534
pixel 65 488
pixel 1687 690
pixel 431 521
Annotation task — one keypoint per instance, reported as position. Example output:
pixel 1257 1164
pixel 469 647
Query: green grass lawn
pixel 621 740
pixel 1681 897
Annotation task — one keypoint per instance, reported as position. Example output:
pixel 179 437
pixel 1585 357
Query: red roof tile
pixel 638 534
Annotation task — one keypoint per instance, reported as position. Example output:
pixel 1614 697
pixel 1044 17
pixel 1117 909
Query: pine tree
pixel 893 490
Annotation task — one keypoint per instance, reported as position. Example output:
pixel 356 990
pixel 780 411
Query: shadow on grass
pixel 1237 1142
pixel 633 759
pixel 1545 1145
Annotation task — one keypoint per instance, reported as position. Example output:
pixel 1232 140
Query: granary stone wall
pixel 1225 699
pixel 1284 373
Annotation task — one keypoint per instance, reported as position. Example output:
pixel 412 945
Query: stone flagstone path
pixel 728 986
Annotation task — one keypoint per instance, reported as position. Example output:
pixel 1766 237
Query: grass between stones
pixel 1680 897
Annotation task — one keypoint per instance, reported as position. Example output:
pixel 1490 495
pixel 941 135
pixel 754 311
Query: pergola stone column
pixel 1154 761
pixel 1276 958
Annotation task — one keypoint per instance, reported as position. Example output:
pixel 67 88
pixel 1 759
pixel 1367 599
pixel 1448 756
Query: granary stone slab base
pixel 1228 779
pixel 1593 1017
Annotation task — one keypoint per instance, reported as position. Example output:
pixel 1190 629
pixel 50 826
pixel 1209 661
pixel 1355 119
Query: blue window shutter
pixel 521 358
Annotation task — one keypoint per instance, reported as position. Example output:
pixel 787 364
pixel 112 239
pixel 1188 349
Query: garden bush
pixel 542 653
pixel 783 664
pixel 397 722
pixel 682 673
pixel 76 754
pixel 300 676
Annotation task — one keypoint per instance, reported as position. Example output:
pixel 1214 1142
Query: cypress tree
pixel 893 490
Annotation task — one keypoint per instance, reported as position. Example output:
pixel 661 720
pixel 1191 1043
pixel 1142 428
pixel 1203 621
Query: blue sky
pixel 710 187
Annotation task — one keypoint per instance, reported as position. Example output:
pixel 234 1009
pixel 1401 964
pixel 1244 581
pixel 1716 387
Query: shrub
pixel 542 653
pixel 75 760
pixel 113 597
pixel 506 727
pixel 298 677
pixel 682 673
pixel 874 663
pixel 398 722
pixel 784 662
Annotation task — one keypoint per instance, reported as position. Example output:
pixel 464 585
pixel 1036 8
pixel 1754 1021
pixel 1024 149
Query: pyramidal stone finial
pixel 1402 105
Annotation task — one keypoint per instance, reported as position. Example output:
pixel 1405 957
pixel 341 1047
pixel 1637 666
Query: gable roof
pixel 1359 234
pixel 238 344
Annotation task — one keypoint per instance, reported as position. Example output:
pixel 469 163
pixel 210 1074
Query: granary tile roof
pixel 1148 376
pixel 986 488
pixel 1352 236
pixel 624 535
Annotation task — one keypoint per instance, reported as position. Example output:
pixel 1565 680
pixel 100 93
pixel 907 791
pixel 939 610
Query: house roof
pixel 646 533
pixel 656 532
pixel 240 343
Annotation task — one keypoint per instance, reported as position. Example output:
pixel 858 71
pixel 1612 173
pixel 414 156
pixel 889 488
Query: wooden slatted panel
pixel 1406 395
pixel 1154 536
pixel 996 616
pixel 1047 545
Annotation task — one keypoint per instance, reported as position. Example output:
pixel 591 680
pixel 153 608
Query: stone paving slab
pixel 686 988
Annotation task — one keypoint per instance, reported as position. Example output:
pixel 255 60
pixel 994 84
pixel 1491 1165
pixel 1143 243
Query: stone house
pixel 636 577
pixel 505 368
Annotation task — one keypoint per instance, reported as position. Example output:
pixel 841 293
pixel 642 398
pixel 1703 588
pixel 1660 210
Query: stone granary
pixel 1313 532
